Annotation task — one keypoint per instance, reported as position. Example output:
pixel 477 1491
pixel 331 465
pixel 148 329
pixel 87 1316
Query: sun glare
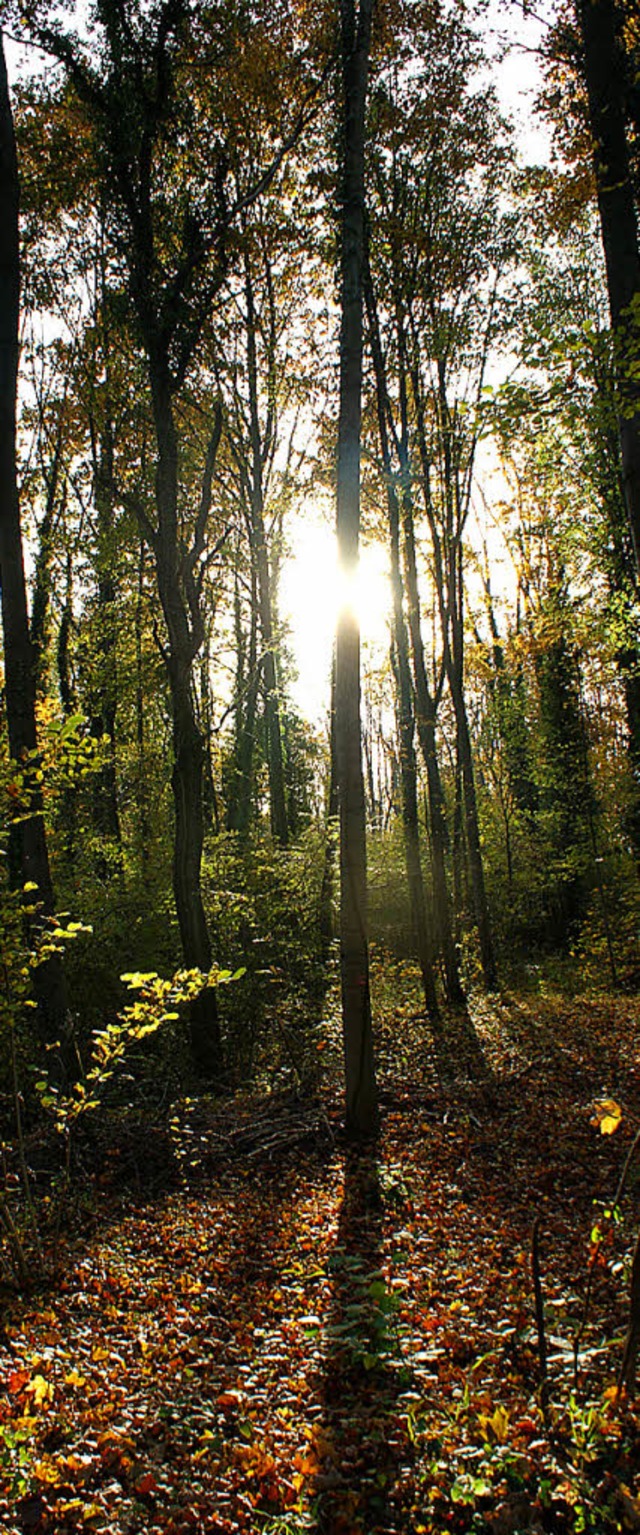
pixel 313 590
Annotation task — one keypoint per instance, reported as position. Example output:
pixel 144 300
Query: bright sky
pixel 310 592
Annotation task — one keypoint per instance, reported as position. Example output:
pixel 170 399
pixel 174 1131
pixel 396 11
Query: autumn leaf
pixel 75 1379
pixel 41 1390
pixel 17 1381
pixel 607 1116
pixel 146 1485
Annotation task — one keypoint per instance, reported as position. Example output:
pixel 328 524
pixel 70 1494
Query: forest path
pixel 344 1341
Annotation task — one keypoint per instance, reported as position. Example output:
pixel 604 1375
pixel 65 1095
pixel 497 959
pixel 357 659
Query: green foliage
pixel 263 905
pixel 157 1003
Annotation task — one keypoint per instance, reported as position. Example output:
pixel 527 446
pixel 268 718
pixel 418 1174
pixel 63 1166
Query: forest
pixel 319 767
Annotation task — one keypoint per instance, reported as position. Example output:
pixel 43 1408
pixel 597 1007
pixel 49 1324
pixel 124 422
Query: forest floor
pixel 292 1335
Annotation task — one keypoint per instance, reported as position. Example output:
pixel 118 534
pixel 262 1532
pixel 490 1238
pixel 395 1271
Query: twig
pixel 20 1267
pixel 623 1176
pixel 540 1327
pixel 627 1376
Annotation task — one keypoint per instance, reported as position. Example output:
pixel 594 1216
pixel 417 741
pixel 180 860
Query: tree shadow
pixel 361 1443
pixel 459 1050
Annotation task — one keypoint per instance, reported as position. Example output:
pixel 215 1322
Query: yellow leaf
pixel 494 1427
pixel 47 1472
pixel 607 1116
pixel 41 1390
pixel 500 1423
pixel 74 1379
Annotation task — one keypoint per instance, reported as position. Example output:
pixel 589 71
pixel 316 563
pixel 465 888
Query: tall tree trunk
pixel 29 855
pixel 360 1082
pixel 210 797
pixel 447 553
pixel 402 674
pixel 425 700
pixel 454 659
pixel 603 70
pixel 275 764
pixel 185 638
pixel 474 849
pixel 142 794
pixel 246 715
pixel 459 851
pixel 426 723
pixel 41 597
pixel 326 889
pixel 105 691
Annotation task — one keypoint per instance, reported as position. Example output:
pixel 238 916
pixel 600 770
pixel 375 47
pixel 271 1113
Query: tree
pixel 29 854
pixel 361 1098
pixel 402 673
pixel 438 250
pixel 172 227
pixel 603 60
pixel 593 77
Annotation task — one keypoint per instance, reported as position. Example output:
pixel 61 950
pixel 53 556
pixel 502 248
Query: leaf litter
pixel 308 1336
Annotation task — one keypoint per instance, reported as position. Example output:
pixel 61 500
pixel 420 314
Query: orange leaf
pixel 146 1485
pixel 17 1381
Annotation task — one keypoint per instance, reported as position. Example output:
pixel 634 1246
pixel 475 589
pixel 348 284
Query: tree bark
pixel 425 701
pixel 360 1082
pixel 404 696
pixel 328 871
pixel 144 830
pixel 426 723
pixel 185 637
pixel 29 859
pixel 277 800
pixel 247 688
pixel 105 691
pixel 604 66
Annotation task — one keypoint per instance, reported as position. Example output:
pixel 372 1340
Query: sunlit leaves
pixel 608 1116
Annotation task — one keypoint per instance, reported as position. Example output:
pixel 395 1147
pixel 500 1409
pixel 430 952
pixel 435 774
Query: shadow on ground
pixel 362 1444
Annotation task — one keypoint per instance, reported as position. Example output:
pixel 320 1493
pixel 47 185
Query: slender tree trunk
pixel 275 763
pixel 603 70
pixel 41 597
pixel 247 735
pixel 210 797
pixel 375 802
pixel 459 860
pixel 328 872
pixel 361 1096
pixel 447 551
pixel 188 747
pixel 29 858
pixel 425 702
pixel 474 850
pixel 142 794
pixel 105 689
pixel 404 698
pixel 426 723
pixel 409 791
pixel 454 662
